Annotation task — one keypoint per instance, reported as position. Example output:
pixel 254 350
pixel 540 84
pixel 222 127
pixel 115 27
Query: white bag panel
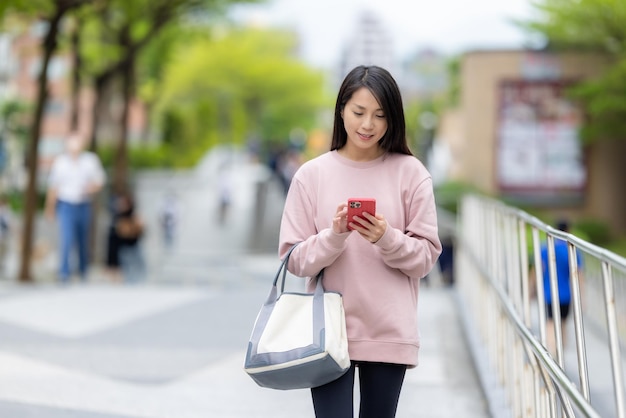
pixel 290 325
pixel 336 335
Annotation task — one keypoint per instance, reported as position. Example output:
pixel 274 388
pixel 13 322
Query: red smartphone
pixel 356 207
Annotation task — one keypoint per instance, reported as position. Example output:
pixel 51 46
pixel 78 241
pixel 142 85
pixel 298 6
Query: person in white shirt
pixel 75 177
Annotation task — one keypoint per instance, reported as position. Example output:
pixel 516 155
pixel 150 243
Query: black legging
pixel 380 389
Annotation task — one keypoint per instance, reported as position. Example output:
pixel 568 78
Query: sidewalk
pixel 174 351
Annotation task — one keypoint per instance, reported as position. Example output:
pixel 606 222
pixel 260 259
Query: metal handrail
pixel 492 247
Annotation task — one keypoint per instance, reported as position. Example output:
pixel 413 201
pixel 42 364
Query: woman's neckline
pixel 359 164
pixel 343 153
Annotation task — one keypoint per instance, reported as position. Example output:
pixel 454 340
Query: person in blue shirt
pixel 563 279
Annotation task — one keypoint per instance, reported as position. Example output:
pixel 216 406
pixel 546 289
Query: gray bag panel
pixel 318 373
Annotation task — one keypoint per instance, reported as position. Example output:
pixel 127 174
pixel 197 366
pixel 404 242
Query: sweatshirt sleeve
pixel 316 249
pixel 414 251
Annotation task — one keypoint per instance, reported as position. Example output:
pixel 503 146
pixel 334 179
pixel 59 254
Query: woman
pixel 378 265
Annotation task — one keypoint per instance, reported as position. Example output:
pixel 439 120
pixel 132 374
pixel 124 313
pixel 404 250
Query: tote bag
pixel 298 340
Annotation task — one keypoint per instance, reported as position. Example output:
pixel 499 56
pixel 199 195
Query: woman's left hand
pixel 370 227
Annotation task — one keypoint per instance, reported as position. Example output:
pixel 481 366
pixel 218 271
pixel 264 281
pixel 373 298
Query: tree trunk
pixel 76 69
pixel 96 110
pixel 48 47
pixel 120 176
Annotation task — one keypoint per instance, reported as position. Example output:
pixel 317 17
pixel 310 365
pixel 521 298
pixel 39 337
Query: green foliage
pixel 13 120
pixel 414 132
pixel 598 26
pixel 25 7
pixel 598 232
pixel 618 247
pixel 157 54
pixel 246 83
pixel 454 77
pixel 449 194
pixel 15 200
pixel 605 104
pixel 420 138
pixel 165 156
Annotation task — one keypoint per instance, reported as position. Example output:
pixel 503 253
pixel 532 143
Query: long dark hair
pixel 384 88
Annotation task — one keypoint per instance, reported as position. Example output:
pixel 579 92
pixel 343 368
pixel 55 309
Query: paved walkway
pixel 100 350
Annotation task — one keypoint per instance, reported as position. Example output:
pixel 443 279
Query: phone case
pixel 356 206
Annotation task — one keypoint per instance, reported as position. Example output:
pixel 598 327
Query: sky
pixel 449 26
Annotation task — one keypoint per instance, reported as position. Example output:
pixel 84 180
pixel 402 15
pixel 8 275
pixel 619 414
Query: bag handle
pixel 283 268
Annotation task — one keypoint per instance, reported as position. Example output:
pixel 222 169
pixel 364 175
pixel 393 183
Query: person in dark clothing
pixel 124 257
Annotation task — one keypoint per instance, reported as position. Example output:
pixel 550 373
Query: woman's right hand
pixel 340 221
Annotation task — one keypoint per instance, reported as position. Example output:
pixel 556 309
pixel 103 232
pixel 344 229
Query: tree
pixel 124 29
pixel 591 25
pixel 51 12
pixel 77 66
pixel 117 33
pixel 132 24
pixel 246 84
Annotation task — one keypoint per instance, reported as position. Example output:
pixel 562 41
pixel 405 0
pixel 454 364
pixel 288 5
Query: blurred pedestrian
pixel 447 236
pixel 75 178
pixel 289 163
pixel 127 230
pixel 377 265
pixel 563 276
pixel 113 240
pixel 5 234
pixel 168 218
pixel 224 189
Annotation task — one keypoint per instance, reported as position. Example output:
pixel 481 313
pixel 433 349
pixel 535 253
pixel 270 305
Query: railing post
pixel 581 352
pixel 616 358
pixel 541 297
pixel 554 302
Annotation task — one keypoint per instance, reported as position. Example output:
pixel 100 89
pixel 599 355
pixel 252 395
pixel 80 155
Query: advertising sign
pixel 539 155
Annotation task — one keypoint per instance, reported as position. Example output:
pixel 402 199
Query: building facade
pixel 515 135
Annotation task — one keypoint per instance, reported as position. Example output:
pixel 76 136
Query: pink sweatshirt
pixel 379 282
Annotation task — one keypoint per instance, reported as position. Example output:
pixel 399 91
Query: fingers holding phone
pixel 375 228
pixel 340 219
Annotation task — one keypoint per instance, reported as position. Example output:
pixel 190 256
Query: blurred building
pixel 7 66
pixel 515 135
pixel 370 44
pixel 20 66
pixel 11 150
pixel 424 75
